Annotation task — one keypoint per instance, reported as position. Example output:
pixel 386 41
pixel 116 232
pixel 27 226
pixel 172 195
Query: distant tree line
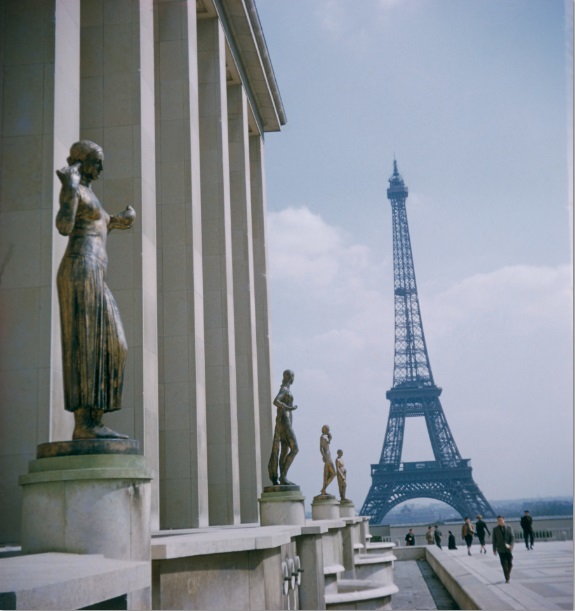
pixel 439 512
pixel 536 507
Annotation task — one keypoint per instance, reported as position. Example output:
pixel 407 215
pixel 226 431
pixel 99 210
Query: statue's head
pixel 340 453
pixel 90 156
pixel 288 376
pixel 325 429
pixel 84 149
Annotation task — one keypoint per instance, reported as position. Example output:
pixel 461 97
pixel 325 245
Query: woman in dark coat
pixel 451 541
pixel 480 529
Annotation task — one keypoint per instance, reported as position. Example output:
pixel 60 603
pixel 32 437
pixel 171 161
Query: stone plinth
pixel 346 509
pixel 77 447
pixel 324 507
pixel 88 504
pixel 282 505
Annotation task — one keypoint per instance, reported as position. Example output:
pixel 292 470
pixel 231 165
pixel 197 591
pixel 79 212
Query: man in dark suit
pixel 503 541
pixel 527 526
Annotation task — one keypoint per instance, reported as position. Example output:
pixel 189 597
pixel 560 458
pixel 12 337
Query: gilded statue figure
pixel 94 347
pixel 284 445
pixel 328 468
pixel 341 475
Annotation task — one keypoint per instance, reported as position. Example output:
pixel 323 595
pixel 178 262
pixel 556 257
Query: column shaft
pixel 244 305
pixel 117 112
pixel 221 402
pixel 184 464
pixel 39 119
pixel 264 379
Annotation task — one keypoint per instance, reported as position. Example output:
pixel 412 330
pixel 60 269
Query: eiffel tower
pixel 414 394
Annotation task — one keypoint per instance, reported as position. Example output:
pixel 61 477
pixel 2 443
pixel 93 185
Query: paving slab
pixel 541 578
pixel 413 591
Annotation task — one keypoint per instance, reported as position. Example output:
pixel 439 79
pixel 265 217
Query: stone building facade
pixel 180 95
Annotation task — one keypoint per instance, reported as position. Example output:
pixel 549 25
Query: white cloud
pixel 499 344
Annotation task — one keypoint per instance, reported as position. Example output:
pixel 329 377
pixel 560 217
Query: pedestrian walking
pixel 503 541
pixel 527 526
pixel 410 538
pixel 451 541
pixel 480 530
pixel 437 536
pixel 429 536
pixel 467 532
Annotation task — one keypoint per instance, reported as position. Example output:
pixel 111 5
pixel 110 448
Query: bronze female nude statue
pixel 328 467
pixel 93 343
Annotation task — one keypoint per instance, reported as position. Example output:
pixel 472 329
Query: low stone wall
pixel 546 529
pixel 414 552
pixel 70 581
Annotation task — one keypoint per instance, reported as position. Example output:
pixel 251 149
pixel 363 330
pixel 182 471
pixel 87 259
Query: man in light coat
pixel 503 541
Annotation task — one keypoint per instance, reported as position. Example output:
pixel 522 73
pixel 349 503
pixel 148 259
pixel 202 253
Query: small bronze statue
pixel 328 468
pixel 283 433
pixel 341 475
pixel 94 347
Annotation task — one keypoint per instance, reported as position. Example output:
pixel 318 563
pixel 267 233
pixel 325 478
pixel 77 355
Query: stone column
pixel 117 112
pixel 39 115
pixel 310 551
pixel 264 379
pixel 221 401
pixel 244 306
pixel 184 463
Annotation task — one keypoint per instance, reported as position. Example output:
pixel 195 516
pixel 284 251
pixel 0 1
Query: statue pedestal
pixel 324 507
pixel 97 502
pixel 346 509
pixel 282 505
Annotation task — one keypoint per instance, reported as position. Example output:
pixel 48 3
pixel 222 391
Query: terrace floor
pixel 541 579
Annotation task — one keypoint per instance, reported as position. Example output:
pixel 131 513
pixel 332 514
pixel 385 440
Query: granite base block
pixel 325 508
pixel 282 508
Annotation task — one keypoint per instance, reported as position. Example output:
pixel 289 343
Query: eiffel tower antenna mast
pixel 448 477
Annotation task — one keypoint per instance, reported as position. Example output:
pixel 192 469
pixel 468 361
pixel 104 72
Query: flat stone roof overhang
pixel 250 54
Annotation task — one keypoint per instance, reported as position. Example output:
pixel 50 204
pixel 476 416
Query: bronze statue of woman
pixel 94 347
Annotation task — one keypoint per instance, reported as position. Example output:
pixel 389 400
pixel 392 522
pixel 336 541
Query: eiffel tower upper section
pixel 411 361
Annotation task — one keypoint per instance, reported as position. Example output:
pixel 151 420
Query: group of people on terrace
pixel 502 538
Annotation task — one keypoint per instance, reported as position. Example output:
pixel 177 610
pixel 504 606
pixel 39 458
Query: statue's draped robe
pixel 94 347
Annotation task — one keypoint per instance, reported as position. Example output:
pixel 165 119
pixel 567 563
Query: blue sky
pixel 474 100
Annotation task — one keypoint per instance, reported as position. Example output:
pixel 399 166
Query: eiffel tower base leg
pixel 451 485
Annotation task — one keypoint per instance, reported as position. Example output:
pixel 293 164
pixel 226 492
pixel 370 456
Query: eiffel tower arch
pixel 448 478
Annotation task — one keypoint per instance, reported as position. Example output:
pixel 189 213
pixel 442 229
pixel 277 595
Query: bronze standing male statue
pixel 93 343
pixel 328 468
pixel 284 436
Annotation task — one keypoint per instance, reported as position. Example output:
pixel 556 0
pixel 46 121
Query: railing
pixel 549 534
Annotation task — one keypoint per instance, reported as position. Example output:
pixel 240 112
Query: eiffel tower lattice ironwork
pixel 414 393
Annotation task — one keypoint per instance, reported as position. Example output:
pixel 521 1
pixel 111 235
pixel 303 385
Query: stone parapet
pixel 68 581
